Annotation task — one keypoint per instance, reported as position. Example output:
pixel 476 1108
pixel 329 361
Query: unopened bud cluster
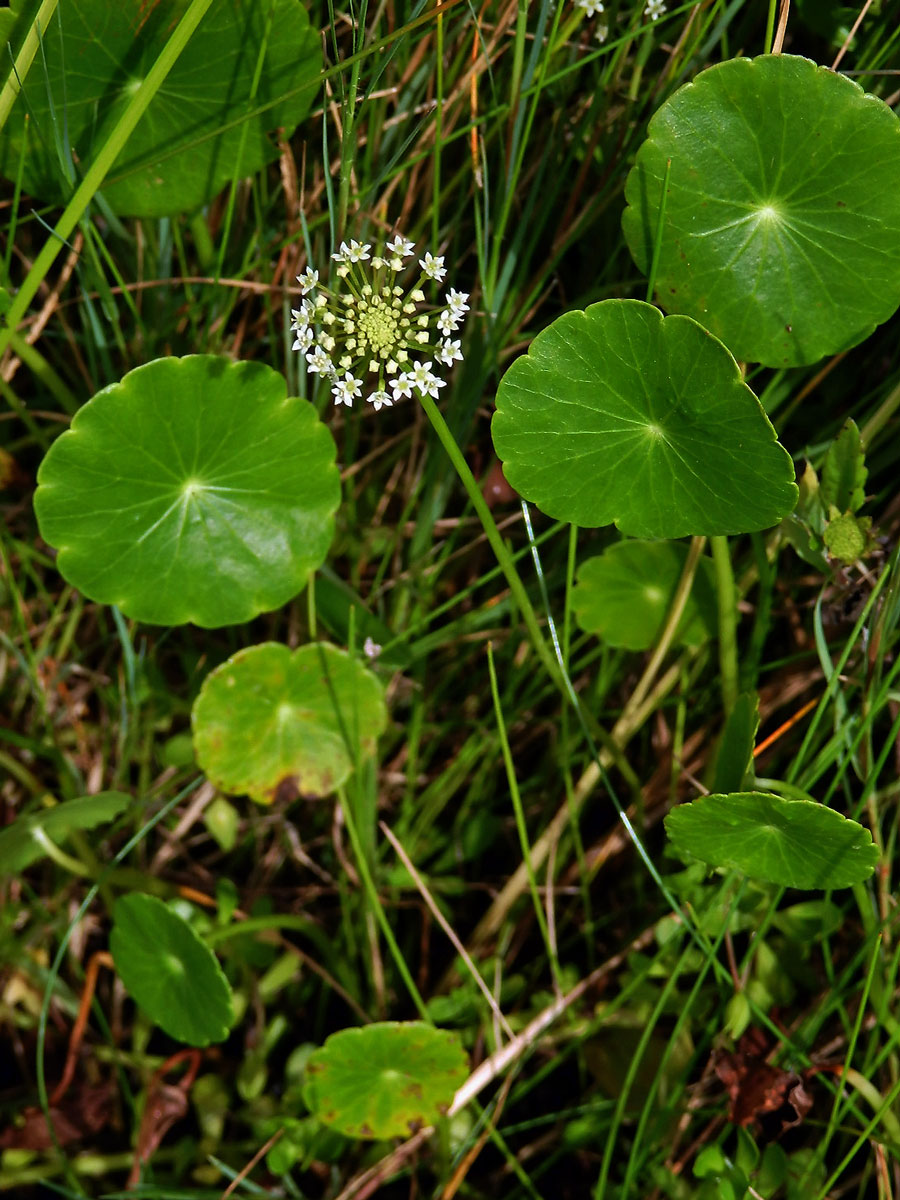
pixel 370 336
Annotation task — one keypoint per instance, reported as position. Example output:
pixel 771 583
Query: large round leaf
pixel 624 595
pixel 795 843
pixel 191 490
pixel 169 971
pixel 210 122
pixel 384 1080
pixel 782 220
pixel 617 414
pixel 277 724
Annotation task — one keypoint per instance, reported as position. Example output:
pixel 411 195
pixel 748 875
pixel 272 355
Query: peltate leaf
pixel 794 843
pixel 192 490
pixel 278 724
pixel 624 595
pixel 617 414
pixel 169 971
pixel 384 1080
pixel 781 231
pixel 250 68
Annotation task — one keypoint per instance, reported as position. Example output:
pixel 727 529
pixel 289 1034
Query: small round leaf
pixel 781 231
pixel 249 69
pixel 384 1080
pixel 794 843
pixel 169 971
pixel 278 725
pixel 617 414
pixel 624 595
pixel 21 843
pixel 191 490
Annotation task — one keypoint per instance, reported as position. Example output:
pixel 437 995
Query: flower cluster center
pixel 379 325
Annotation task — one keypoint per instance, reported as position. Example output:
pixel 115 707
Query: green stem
pixel 59 856
pixel 770 26
pixel 673 620
pixel 438 131
pixel 507 566
pixel 348 150
pixel 852 1077
pixel 497 544
pixel 726 594
pixel 521 826
pixel 101 165
pixel 44 373
pixel 377 907
pixel 24 59
pixel 880 417
pixel 658 239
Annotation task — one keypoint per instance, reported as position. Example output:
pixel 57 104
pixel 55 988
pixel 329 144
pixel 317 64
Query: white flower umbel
pixel 654 9
pixel 368 333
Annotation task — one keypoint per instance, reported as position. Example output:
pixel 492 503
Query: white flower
pixel 449 353
pixel 590 7
pixel 342 255
pixel 303 315
pixel 447 322
pixel 304 339
pixel 346 389
pixel 433 267
pixel 425 380
pixel 456 302
pixel 401 245
pixel 371 649
pixel 601 33
pixel 654 9
pixel 308 280
pixel 402 385
pixel 318 362
pixel 379 399
pixel 357 252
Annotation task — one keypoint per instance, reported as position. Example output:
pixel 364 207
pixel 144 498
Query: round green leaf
pixel 251 67
pixel 795 843
pixel 192 490
pixel 278 725
pixel 21 843
pixel 617 414
pixel 384 1080
pixel 169 971
pixel 782 220
pixel 624 595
